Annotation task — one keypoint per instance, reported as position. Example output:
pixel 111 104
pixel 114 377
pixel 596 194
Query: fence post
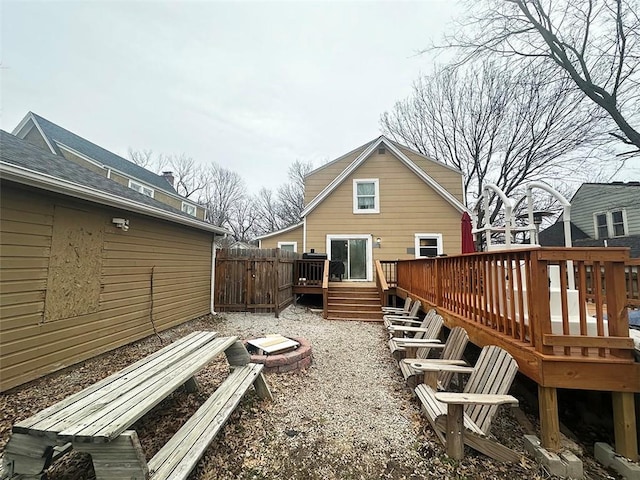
pixel 276 284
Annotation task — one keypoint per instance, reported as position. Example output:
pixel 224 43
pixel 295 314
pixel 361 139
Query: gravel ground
pixel 349 416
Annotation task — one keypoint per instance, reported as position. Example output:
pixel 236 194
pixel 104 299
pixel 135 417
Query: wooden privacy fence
pixel 254 280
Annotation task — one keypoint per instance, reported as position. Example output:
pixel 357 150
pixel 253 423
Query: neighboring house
pixel 43 133
pixel 601 214
pixel 88 264
pixel 380 201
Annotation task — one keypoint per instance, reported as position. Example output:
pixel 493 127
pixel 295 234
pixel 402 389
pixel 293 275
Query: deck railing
pixel 389 269
pixel 528 295
pixel 381 283
pixel 309 272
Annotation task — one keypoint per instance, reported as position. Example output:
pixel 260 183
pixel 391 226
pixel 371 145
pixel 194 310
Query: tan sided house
pixel 59 141
pixel 88 264
pixel 381 201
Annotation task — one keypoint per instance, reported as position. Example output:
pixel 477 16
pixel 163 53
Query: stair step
pixel 354 314
pixel 353 319
pixel 354 308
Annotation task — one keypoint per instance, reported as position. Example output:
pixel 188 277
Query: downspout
pixel 213 274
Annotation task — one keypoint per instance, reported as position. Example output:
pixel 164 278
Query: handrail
pixel 325 288
pixel 501 291
pixel 381 283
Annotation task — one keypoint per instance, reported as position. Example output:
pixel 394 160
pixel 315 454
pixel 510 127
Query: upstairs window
pixel 288 246
pixel 366 196
pixel 611 224
pixel 140 188
pixel 428 245
pixel 189 209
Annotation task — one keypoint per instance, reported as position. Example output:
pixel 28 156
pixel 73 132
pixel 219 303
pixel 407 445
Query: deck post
pixel 616 293
pixel 540 323
pixel 549 422
pixel 624 424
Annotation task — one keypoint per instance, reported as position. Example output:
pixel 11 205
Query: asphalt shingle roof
pixel 55 133
pixel 23 154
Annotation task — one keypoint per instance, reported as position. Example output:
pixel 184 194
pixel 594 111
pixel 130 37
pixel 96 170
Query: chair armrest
pixel 475 398
pixel 427 366
pixel 393 310
pixel 417 342
pixel 402 328
pixel 402 318
pixel 434 361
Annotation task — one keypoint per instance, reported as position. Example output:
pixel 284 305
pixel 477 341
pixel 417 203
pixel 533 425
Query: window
pixel 366 196
pixel 428 245
pixel 288 246
pixel 601 225
pixel 617 222
pixel 189 209
pixel 143 189
pixel 610 224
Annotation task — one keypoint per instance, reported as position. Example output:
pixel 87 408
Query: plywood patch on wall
pixel 73 284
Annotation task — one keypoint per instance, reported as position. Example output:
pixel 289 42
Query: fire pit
pixel 280 354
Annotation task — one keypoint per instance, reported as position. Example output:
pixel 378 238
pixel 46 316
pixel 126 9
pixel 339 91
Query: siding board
pixel 32 347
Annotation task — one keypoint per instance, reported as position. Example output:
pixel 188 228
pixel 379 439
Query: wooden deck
pixel 534 304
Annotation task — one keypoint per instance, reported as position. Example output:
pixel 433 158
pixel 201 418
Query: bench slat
pixel 180 455
pixel 130 405
pixel 47 419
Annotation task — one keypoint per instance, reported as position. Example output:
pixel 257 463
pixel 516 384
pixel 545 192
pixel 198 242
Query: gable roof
pixel 282 230
pixel 553 236
pixel 26 164
pixel 58 138
pixel 595 189
pixel 382 140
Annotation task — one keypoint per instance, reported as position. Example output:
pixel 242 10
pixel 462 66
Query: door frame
pixel 369 251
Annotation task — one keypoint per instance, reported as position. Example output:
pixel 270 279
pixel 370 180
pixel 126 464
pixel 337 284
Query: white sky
pixel 252 86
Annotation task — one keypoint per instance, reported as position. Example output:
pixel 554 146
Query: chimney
pixel 168 176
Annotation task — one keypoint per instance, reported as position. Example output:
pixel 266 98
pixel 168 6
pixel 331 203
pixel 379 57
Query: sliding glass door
pixel 353 253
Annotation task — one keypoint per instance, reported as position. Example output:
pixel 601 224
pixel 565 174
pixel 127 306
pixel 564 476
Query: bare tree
pixel 291 194
pixel 243 219
pixel 142 158
pixel 190 178
pixel 224 190
pixel 268 219
pixel 595 43
pixel 496 126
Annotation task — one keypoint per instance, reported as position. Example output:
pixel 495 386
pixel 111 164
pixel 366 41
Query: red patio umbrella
pixel 468 245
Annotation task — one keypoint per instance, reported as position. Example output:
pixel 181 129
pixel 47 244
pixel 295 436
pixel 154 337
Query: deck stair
pixel 353 302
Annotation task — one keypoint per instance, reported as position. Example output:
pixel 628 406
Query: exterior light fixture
pixel 121 223
pixel 378 241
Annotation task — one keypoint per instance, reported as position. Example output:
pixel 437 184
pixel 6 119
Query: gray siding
pixel 592 198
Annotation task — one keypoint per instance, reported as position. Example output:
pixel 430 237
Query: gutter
pixel 50 183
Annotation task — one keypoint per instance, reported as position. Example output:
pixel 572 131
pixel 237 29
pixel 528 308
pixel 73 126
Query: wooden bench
pixel 96 420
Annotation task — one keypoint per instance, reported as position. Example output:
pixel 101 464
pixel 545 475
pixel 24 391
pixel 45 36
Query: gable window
pixel 288 246
pixel 140 188
pixel 189 209
pixel 611 224
pixel 428 245
pixel 366 195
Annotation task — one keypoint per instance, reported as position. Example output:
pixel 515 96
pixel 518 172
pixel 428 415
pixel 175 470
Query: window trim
pixel 418 236
pixel 295 245
pixel 187 204
pixel 142 186
pixel 610 229
pixel 376 199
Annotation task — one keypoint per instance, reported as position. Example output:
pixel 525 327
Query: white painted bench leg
pixel 27 454
pixel 121 458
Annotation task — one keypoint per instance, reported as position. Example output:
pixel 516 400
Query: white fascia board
pixel 277 232
pixel 25 176
pixel 402 157
pixel 341 178
pixel 20 134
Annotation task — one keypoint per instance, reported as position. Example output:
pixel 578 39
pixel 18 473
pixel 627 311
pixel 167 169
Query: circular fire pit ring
pixel 297 359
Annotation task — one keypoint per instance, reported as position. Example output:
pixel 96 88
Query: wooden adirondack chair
pixel 411 318
pixel 466 417
pixel 429 330
pixel 398 310
pixel 450 353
